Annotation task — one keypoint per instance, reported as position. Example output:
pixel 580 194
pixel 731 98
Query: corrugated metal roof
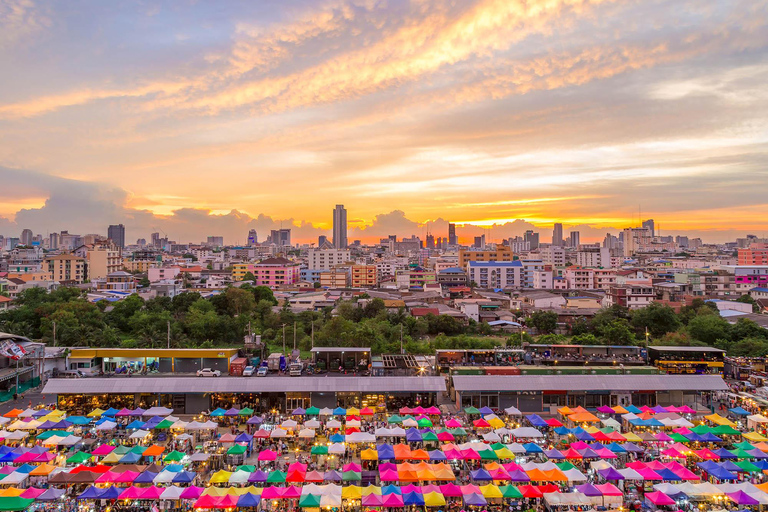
pixel 588 382
pixel 341 349
pixel 665 348
pixel 181 385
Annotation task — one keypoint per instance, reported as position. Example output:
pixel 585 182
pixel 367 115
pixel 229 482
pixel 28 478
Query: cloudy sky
pixel 200 118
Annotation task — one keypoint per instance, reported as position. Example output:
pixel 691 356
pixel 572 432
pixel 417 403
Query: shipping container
pixel 237 366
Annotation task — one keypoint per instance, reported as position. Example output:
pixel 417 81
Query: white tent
pixel 337 448
pixel 27 413
pixel 53 440
pixel 139 434
pixel 107 425
pixel 307 433
pixel 158 411
pixel 515 448
pixel 70 440
pixel 630 474
pixel 397 431
pixel 164 477
pixel 199 457
pixel 279 433
pixel 491 437
pixel 333 424
pixel 513 411
pixel 382 432
pixel 326 412
pixel 239 477
pixel 610 422
pixel 353 423
pixel 15 478
pixel 172 492
pixel 754 421
pixel 312 424
pixel 16 436
pixel 668 489
pixel 526 432
pixel 289 424
pixel 361 437
pixel 410 422
pixel 574 475
pixel 567 498
pixel 178 424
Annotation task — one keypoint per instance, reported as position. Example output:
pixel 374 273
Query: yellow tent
pixel 11 492
pixel 371 489
pixel 505 453
pixel 754 436
pixel 256 491
pixel 434 499
pixel 95 413
pixel 631 436
pixel 352 411
pixel 352 492
pixel 369 454
pixel 111 458
pixel 215 491
pixel 490 491
pixel 496 423
pixel 220 477
pixel 719 420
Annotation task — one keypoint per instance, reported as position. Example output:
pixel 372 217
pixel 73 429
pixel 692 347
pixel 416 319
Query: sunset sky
pixel 208 118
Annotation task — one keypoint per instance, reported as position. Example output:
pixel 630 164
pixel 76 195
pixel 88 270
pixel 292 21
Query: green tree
pixel 239 302
pixel 748 299
pixel 708 329
pixel 658 318
pixel 123 310
pixel 749 347
pixel 745 328
pixel 544 321
pixel 617 333
pixel 264 293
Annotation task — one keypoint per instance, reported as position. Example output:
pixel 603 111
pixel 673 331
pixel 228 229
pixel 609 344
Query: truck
pixel 276 362
pixel 295 369
pixel 237 366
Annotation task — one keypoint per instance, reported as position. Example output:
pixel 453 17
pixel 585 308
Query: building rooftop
pixel 186 385
pixel 589 383
pixel 341 349
pixel 481 264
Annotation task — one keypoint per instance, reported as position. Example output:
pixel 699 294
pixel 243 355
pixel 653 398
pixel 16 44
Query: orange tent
pixel 583 417
pixel 537 475
pixel 555 475
pixel 407 472
pixel 619 410
pixel 425 472
pixel 565 411
pixel 419 455
pixel 402 451
pixel 13 413
pixel 42 470
pixel 763 487
pixel 369 454
pixel 579 409
pixel 443 471
pixel 492 466
pixel 153 451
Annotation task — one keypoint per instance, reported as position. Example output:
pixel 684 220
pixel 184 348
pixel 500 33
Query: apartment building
pixel 502 253
pixel 364 276
pixel 327 258
pixel 630 295
pixel 755 254
pixel 66 268
pixel 496 274
pixel 334 279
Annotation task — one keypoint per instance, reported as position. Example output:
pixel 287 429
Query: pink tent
pixel 609 490
pixel 672 453
pixel 272 492
pixel 126 477
pixel 32 493
pixel 372 500
pixel 191 493
pixel 411 488
pixel 605 453
pixel 453 423
pixel 206 501
pixel 451 491
pixel 152 493
pixel 291 492
pixel 267 455
pixel 108 477
pixel 103 449
pixel 433 411
pixel 445 436
pixel 663 437
pixel 681 471
pixel 659 498
pixel 132 493
pixel 389 475
pixel 392 500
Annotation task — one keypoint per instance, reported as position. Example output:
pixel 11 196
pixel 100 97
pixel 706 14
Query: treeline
pixel 699 324
pixel 224 319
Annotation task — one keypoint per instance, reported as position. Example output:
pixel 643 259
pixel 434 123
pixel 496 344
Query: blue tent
pixel 693 436
pixel 720 452
pixel 634 410
pixel 730 466
pixel 217 412
pixel 762 464
pixel 337 438
pixel 537 420
pixel 588 453
pixel 91 493
pixel 437 455
pixel 339 411
pixel 667 474
pixel 532 448
pixel 391 489
pixel 25 468
pixel 110 493
pixel 174 468
pixel 562 431
pixel 722 474
pixel 486 410
pixel 78 420
pixel 130 458
pixel 243 438
pixel 146 477
pixel 386 451
pixel 475 499
pixel 137 424
pixel 583 436
pixel 110 412
pixel 184 477
pixel 413 498
pixel 413 436
pixel 248 500
pixel 757 453
pixel 709 437
pixel 616 447
pixel 481 474
pixel 739 411
pixel 597 446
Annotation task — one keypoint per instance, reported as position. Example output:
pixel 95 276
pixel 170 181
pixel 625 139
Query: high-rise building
pixel 215 241
pixel 430 241
pixel 649 225
pixel 116 233
pixel 53 241
pixel 452 240
pixel 532 238
pixel 322 240
pixel 253 238
pixel 557 235
pixel 26 237
pixel 575 238
pixel 155 239
pixel 479 242
pixel 280 237
pixel 340 227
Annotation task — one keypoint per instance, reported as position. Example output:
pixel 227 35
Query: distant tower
pixel 253 238
pixel 26 237
pixel 452 240
pixel 557 235
pixel 649 225
pixel 575 238
pixel 116 233
pixel 340 227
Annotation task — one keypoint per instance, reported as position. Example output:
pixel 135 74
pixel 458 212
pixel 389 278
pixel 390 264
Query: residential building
pixel 364 276
pixel 103 258
pixel 215 241
pixel 529 267
pixel 116 233
pixel 518 245
pixel 532 239
pixel 66 268
pixel 415 277
pixel 120 281
pixel 597 257
pixel 280 237
pixel 340 227
pixel 633 238
pixel 327 258
pixel 452 276
pixel 26 237
pixel 159 274
pixel 496 274
pixel 334 279
pixel 649 225
pixel 630 295
pixel 502 253
pixel 553 255
pixel 542 280
pixel 274 272
pixel 755 254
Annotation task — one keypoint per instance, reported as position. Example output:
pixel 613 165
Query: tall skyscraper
pixel 575 238
pixel 116 233
pixel 532 238
pixel 322 240
pixel 280 237
pixel 53 241
pixel 155 238
pixel 430 241
pixel 340 227
pixel 26 237
pixel 452 240
pixel 557 235
pixel 215 241
pixel 253 238
pixel 649 225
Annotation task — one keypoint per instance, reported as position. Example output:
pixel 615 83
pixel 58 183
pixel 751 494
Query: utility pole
pixel 294 335
pixel 283 339
pixel 401 339
pixel 54 334
pixel 169 334
pixel 313 331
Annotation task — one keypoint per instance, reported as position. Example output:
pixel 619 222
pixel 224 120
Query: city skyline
pixel 193 119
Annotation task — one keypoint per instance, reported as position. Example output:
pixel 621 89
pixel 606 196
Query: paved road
pixel 33 396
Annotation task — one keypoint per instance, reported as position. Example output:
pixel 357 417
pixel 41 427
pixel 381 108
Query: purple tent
pixel 257 476
pixel 610 474
pixel 332 476
pixel 299 411
pixel 589 490
pixel 254 420
pixel 232 412
pixel 474 499
pixel 138 411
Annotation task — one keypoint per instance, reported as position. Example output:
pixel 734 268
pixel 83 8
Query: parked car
pixel 262 372
pixel 248 371
pixel 207 372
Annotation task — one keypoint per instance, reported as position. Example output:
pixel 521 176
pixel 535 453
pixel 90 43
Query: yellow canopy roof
pixel 215 491
pixel 220 477
pixel 111 458
pixel 11 492
pixel 631 436
pixel 754 436
pixel 353 411
pixel 434 499
pixel 371 489
pixel 505 453
pixel 719 420
pixel 96 412
pixel 490 491
pixel 351 492
pixel 496 423
pixel 42 470
pixel 369 454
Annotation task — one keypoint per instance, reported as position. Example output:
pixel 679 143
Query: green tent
pixel 741 454
pixel 394 419
pixel 247 467
pixel 320 449
pixel 424 422
pixel 237 449
pixel 747 466
pixel 246 411
pixel 122 450
pixel 313 411
pixel 276 477
pixel 352 476
pixel 50 433
pixel 725 430
pixel 497 446
pixel 488 455
pixel 510 491
pixel 564 466
pixel 744 445
pixel 458 431
pixel 678 437
pixel 701 429
pixel 173 457
pixel 310 501
pixel 77 458
pixel 14 503
pixel 138 449
pixel 471 410
pixel 164 425
pixel 430 436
